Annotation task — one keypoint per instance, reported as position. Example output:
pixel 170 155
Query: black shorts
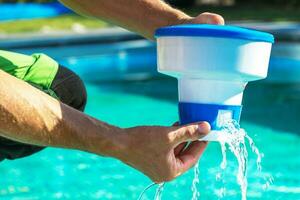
pixel 70 90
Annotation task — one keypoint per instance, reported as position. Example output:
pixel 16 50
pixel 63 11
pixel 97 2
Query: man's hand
pixel 161 152
pixel 205 18
pixel 140 16
pixel 30 116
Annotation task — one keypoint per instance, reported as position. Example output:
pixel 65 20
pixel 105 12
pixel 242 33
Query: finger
pixel 189 133
pixel 190 155
pixel 179 148
pixel 209 18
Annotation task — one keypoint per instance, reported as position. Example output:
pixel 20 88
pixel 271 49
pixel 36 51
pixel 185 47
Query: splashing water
pixel 196 193
pixel 159 190
pixel 145 190
pixel 158 193
pixel 234 138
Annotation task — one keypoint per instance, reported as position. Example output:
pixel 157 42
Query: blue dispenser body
pixel 215 114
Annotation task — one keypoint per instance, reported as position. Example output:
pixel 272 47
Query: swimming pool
pixel 270 116
pixel 62 174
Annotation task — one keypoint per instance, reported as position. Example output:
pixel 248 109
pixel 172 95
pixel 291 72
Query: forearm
pixel 30 116
pixel 141 16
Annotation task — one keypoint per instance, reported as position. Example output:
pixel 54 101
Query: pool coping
pixel 63 38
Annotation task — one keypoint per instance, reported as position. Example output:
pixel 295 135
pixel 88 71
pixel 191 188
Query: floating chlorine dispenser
pixel 213 65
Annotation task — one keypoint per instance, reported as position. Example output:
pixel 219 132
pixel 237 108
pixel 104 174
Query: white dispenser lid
pixel 213 52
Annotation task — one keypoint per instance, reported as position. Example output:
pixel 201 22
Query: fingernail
pixel 204 127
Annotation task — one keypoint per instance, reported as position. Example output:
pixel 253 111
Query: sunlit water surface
pixel 69 174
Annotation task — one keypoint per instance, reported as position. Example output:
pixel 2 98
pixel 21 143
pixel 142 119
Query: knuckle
pixel 217 19
pixel 170 136
pixel 213 18
pixel 205 13
pixel 190 131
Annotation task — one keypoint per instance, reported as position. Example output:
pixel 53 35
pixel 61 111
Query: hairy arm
pixel 28 115
pixel 141 16
pixel 31 116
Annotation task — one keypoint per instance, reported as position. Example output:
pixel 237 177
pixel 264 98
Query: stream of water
pixel 234 139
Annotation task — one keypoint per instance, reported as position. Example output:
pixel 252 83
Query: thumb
pixel 208 18
pixel 190 132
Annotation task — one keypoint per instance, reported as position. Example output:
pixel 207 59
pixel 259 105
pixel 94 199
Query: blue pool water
pixel 270 116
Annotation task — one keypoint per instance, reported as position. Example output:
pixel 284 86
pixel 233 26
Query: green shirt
pixel 38 69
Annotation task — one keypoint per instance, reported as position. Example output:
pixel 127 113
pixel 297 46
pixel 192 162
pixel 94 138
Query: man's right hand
pixel 30 116
pixel 161 152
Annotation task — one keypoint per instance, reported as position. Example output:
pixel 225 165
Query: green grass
pixel 68 22
pixel 65 22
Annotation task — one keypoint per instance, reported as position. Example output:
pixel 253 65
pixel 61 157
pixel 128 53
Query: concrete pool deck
pixel 60 38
